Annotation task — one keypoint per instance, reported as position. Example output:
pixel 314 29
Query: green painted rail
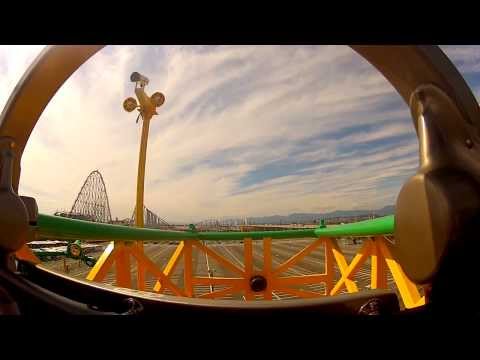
pixel 56 227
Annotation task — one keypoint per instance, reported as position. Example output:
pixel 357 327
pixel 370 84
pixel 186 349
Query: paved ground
pixel 281 251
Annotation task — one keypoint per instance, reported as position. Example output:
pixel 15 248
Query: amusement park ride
pixel 432 259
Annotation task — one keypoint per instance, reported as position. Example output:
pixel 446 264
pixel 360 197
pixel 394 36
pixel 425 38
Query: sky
pixel 244 131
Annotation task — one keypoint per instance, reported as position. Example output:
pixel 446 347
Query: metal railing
pixel 270 277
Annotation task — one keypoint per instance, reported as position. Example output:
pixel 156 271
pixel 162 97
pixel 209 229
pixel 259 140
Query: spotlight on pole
pixel 130 104
pixel 137 77
pixel 158 99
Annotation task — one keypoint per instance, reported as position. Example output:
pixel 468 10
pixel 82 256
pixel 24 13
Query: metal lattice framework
pixel 150 219
pixel 92 200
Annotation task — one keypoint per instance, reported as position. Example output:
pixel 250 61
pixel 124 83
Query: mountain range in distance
pixel 305 218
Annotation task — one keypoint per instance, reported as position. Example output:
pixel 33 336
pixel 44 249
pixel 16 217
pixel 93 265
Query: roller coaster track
pixel 150 219
pixel 92 204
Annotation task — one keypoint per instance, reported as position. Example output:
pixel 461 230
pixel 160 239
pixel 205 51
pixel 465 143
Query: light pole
pixel 147 108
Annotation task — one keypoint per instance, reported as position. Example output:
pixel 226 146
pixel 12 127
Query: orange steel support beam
pixel 26 254
pixel 103 264
pixel 188 268
pixel 378 267
pixel 172 263
pixel 151 267
pixel 350 271
pixel 329 266
pixel 227 264
pixel 297 257
pixel 303 294
pixel 267 267
pixel 408 290
pixel 140 268
pixel 122 266
pixel 248 259
pixel 218 281
pixel 342 265
pixel 221 293
pixel 299 280
pixel 376 248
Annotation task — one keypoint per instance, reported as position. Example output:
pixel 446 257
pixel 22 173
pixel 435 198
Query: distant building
pixel 73 215
pixel 124 222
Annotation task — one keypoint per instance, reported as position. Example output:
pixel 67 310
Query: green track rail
pixel 71 229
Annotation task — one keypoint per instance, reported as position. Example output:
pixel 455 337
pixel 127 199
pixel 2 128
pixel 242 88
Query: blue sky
pixel 244 131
